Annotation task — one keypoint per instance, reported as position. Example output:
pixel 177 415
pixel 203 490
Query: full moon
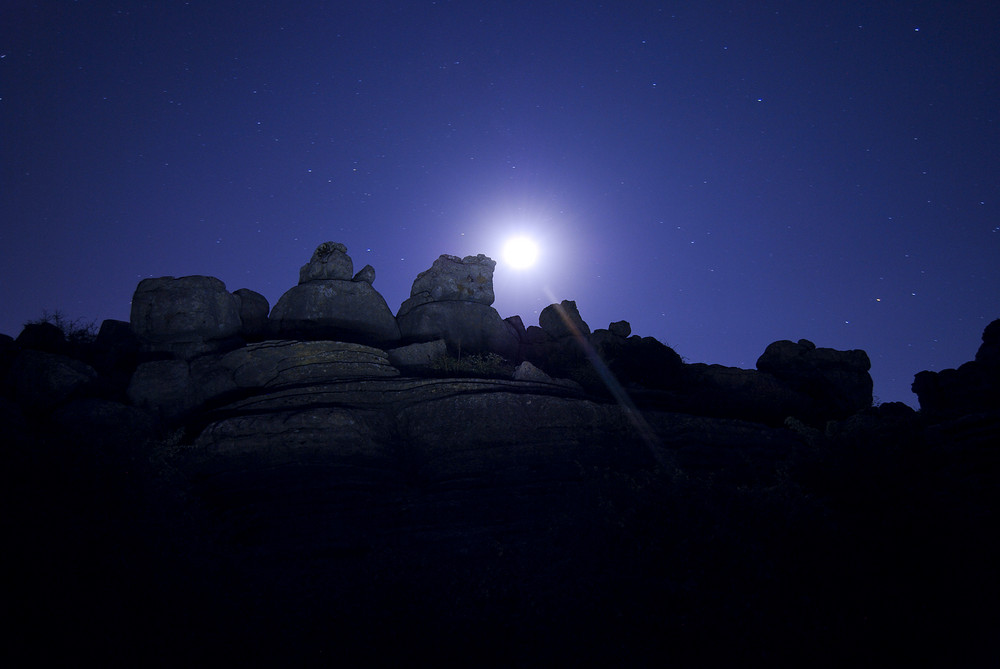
pixel 520 252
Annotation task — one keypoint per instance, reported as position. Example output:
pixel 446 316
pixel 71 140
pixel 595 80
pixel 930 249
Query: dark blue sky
pixel 720 174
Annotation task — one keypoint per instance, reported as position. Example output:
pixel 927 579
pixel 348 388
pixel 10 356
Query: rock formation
pixel 187 316
pixel 253 310
pixel 837 381
pixel 451 301
pixel 973 387
pixel 208 493
pixel 331 303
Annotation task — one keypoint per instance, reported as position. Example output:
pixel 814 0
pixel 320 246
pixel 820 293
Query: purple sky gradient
pixel 719 174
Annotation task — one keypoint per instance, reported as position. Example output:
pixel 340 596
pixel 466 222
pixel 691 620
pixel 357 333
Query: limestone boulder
pixel 116 337
pixel 989 352
pixel 563 320
pixel 639 360
pixel 116 354
pixel 419 357
pixel 973 387
pixel 838 381
pixel 253 309
pixel 276 364
pixel 186 316
pixel 334 309
pixel 746 394
pixel 450 278
pixel 620 328
pixel 528 372
pixel 366 274
pixel 329 262
pixel 466 327
pixel 43 336
pixel 173 390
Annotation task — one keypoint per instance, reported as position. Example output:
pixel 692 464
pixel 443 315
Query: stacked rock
pixel 331 302
pixel 451 301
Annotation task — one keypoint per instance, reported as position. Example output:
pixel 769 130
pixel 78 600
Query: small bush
pixel 486 365
pixel 79 331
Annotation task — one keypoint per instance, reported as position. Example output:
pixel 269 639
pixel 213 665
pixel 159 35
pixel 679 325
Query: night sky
pixel 720 174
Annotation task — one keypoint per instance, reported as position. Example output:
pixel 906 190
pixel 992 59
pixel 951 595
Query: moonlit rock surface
pixel 330 309
pixel 468 279
pixel 184 315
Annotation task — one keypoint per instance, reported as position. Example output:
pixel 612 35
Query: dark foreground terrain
pixel 874 546
pixel 283 502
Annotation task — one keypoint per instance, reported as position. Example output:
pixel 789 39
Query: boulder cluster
pixel 187 335
pixel 182 326
pixel 324 475
pixel 973 387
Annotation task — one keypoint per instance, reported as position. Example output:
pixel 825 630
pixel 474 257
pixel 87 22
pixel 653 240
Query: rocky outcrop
pixel 838 382
pixel 289 501
pixel 334 309
pixel 468 279
pixel 466 327
pixel 329 304
pixel 329 262
pixel 717 390
pixel 253 309
pixel 563 321
pixel 451 301
pixel 366 274
pixel 419 358
pixel 973 387
pixel 274 364
pixel 564 345
pixel 43 336
pixel 186 316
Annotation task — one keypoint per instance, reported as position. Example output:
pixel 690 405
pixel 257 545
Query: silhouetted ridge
pixel 221 480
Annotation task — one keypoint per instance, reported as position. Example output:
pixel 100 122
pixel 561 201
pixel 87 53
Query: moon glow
pixel 520 252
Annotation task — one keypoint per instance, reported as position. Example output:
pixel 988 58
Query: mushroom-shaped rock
pixel 332 309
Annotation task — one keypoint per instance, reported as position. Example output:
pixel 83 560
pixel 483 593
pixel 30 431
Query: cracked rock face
pixel 274 364
pixel 184 315
pixel 454 279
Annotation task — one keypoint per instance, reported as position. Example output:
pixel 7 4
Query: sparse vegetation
pixel 328 248
pixel 485 365
pixel 78 331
